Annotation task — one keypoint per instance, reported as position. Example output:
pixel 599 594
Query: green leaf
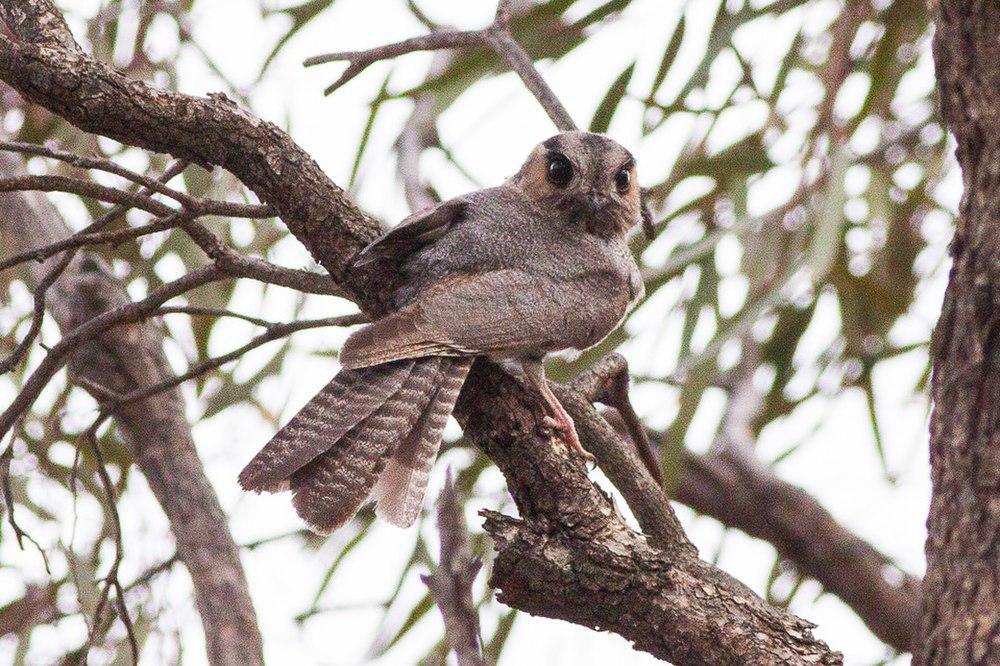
pixel 868 387
pixel 606 109
pixel 667 61
pixel 300 15
pixel 416 613
pixel 494 646
pixel 828 229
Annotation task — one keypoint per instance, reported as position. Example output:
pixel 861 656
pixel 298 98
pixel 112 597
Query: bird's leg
pixel 559 420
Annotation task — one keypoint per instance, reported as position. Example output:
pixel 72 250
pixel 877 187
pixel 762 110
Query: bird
pixel 538 265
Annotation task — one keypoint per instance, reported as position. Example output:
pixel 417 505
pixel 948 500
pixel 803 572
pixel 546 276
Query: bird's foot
pixel 565 430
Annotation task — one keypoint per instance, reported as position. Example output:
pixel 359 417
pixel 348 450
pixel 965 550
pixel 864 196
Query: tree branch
pixel 155 431
pixel 960 622
pixel 741 492
pixel 451 581
pixel 668 602
pixel 496 37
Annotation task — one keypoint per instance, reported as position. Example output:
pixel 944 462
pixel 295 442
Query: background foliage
pixel 804 197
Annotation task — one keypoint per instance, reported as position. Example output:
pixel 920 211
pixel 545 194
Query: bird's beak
pixel 596 202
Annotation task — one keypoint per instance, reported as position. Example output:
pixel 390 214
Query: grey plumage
pixel 331 488
pixel 537 265
pixel 399 491
pixel 352 395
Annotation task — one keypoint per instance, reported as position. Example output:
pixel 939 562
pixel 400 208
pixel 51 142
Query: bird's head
pixel 590 177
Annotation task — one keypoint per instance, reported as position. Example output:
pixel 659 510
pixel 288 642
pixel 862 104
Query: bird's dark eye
pixel 623 180
pixel 560 171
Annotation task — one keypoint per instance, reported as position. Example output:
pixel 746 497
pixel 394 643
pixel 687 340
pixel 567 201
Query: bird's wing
pixel 493 312
pixel 415 232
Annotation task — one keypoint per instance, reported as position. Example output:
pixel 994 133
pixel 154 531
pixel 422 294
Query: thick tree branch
pixel 671 604
pixel 571 556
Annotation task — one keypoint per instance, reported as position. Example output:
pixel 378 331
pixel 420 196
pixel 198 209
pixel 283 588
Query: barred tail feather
pixel 350 398
pixel 399 491
pixel 330 489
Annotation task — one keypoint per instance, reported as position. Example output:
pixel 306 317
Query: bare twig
pixel 84 188
pixel 59 354
pixel 607 382
pixel 198 311
pixel 111 578
pixel 126 620
pixel 274 332
pixel 450 583
pixel 8 501
pixel 89 239
pixel 360 60
pixel 518 60
pixel 496 37
pixel 240 265
pixel 202 206
pixel 37 316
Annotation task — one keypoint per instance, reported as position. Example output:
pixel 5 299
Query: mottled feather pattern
pixel 351 397
pixel 331 488
pixel 400 488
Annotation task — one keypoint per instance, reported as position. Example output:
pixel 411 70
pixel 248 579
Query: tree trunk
pixel 961 607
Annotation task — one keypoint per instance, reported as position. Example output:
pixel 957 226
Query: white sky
pixel 491 130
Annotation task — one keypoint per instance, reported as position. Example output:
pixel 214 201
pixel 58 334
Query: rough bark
pixel 718 620
pixel 571 556
pixel 961 602
pixel 154 429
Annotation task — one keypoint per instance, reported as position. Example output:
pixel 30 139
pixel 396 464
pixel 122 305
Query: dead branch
pixel 450 583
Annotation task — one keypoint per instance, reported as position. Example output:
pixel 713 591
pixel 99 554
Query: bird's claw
pixel 566 431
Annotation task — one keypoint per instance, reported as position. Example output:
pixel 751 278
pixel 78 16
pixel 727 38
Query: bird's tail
pixel 400 488
pixel 376 424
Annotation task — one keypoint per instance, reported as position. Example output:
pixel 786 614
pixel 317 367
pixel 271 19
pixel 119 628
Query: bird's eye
pixel 560 171
pixel 623 180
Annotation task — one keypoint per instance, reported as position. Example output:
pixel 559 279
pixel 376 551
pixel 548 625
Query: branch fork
pixel 497 37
